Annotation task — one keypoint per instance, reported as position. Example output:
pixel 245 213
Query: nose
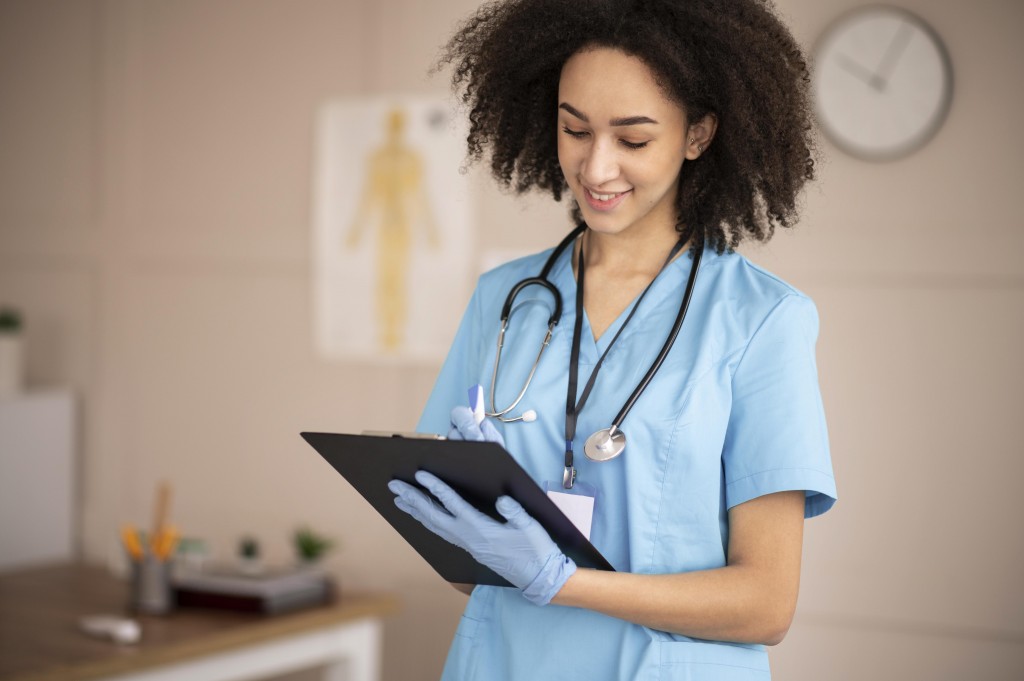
pixel 600 165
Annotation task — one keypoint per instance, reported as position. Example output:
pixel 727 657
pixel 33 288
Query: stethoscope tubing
pixel 529 379
pixel 506 312
pixel 677 325
pixel 609 442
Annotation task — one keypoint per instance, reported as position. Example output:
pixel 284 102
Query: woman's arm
pixel 750 600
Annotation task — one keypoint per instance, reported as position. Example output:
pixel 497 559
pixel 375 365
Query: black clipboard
pixel 479 471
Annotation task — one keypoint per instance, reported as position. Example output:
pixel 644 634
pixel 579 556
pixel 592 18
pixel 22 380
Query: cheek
pixel 652 172
pixel 567 159
pixel 664 170
pixel 659 177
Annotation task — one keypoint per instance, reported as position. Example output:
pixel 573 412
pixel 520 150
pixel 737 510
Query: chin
pixel 603 223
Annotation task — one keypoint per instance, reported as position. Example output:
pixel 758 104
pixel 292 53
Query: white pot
pixel 12 373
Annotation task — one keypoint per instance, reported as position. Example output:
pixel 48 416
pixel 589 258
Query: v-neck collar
pixel 671 281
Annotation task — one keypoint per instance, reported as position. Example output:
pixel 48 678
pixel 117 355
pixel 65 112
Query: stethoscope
pixel 607 443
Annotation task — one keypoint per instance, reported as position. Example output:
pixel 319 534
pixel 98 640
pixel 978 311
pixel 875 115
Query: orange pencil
pixel 166 543
pixel 130 538
pixel 160 511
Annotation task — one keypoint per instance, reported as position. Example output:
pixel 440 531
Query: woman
pixel 681 128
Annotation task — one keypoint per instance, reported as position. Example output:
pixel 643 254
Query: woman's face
pixel 621 142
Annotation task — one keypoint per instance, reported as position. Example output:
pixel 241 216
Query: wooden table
pixel 40 639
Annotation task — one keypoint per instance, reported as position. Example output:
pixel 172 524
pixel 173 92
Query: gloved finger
pixel 404 490
pixel 512 511
pixel 434 520
pixel 403 506
pixel 440 523
pixel 464 421
pixel 487 429
pixel 451 500
pixel 425 507
pixel 413 511
pixel 421 506
pixel 399 487
pixel 491 433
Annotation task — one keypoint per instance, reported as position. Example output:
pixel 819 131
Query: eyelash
pixel 579 134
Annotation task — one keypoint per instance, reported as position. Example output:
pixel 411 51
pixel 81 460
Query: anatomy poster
pixel 392 240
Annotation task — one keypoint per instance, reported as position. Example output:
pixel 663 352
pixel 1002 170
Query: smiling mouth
pixel 604 202
pixel 603 197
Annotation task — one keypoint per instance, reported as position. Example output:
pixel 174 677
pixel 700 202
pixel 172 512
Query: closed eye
pixel 580 134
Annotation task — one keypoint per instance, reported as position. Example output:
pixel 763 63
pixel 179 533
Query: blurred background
pixel 156 174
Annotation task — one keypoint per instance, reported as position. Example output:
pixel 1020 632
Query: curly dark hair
pixel 731 58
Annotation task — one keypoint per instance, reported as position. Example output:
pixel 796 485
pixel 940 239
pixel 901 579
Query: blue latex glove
pixel 519 550
pixel 464 427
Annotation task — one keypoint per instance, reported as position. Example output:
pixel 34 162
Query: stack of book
pixel 270 591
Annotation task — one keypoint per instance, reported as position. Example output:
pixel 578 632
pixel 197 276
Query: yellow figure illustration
pixel 394 199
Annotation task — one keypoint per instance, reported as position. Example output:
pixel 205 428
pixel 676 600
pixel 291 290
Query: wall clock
pixel 882 82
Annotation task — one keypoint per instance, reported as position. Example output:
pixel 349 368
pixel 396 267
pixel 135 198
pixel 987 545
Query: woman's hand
pixel 464 427
pixel 519 550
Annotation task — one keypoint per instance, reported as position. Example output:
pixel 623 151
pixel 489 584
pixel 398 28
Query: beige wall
pixel 155 187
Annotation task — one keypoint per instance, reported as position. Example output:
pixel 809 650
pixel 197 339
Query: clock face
pixel 882 82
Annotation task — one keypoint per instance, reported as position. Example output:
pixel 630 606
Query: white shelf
pixel 37 474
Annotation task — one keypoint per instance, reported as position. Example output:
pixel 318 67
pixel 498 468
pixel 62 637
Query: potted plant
pixel 11 355
pixel 249 560
pixel 311 546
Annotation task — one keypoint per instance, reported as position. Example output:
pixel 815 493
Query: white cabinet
pixel 37 478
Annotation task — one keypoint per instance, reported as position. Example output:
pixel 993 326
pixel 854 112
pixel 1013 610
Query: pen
pixel 476 403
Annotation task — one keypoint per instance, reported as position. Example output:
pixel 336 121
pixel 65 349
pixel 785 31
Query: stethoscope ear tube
pixel 556 314
pixel 542 280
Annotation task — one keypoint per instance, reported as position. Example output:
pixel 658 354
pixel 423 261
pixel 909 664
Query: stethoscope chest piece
pixel 605 444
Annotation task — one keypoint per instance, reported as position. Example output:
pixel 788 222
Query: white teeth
pixel 602 197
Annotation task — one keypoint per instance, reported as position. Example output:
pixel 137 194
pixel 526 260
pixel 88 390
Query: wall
pixel 154 226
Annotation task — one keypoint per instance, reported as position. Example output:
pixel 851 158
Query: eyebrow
pixel 615 122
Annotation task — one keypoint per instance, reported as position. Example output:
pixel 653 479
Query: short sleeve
pixel 455 378
pixel 777 439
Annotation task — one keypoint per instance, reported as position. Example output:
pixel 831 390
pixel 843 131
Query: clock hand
pixel 892 54
pixel 860 71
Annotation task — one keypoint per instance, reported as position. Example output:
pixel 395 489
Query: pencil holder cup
pixel 151 586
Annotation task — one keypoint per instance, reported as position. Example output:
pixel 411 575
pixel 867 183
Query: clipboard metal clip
pixel 404 434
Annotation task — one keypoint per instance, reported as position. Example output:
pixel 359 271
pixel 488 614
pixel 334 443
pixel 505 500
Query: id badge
pixel 577 503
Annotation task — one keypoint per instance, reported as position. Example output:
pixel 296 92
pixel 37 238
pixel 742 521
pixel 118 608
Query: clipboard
pixel 479 471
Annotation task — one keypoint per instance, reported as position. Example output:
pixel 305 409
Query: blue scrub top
pixel 734 413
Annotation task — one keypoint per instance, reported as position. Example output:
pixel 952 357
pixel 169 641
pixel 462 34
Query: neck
pixel 629 253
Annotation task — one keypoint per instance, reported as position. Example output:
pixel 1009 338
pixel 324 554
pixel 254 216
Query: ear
pixel 699 135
